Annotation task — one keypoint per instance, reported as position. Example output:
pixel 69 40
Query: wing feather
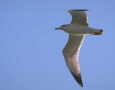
pixel 71 55
pixel 79 17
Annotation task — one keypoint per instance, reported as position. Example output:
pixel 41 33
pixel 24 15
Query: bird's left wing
pixel 79 16
pixel 71 55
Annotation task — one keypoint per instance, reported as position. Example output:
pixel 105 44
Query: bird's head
pixel 62 27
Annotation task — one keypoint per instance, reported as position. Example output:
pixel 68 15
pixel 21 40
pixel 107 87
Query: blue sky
pixel 30 48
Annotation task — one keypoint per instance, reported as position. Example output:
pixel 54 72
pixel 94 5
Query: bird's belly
pixel 76 31
pixel 80 30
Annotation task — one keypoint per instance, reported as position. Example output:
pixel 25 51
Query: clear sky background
pixel 31 50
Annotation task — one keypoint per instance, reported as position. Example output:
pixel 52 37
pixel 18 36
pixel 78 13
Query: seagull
pixel 77 30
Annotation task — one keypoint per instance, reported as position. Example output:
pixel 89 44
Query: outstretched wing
pixel 79 16
pixel 71 55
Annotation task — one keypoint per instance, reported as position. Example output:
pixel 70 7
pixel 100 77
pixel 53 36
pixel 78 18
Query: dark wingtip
pixel 78 79
pixel 80 9
pixel 76 10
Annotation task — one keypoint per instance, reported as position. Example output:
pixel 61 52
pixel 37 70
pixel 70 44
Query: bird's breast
pixel 75 30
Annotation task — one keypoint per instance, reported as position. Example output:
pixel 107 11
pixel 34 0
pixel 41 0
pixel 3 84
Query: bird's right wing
pixel 79 17
pixel 71 55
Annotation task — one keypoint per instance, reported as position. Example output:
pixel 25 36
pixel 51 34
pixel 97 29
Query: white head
pixel 62 27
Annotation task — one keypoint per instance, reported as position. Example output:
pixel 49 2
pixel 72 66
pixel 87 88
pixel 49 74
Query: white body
pixel 79 29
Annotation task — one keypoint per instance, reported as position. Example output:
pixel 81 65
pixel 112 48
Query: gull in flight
pixel 77 30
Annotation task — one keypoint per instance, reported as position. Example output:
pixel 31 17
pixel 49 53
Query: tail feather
pixel 99 32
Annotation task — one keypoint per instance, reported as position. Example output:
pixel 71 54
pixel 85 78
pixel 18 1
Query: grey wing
pixel 71 55
pixel 79 17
